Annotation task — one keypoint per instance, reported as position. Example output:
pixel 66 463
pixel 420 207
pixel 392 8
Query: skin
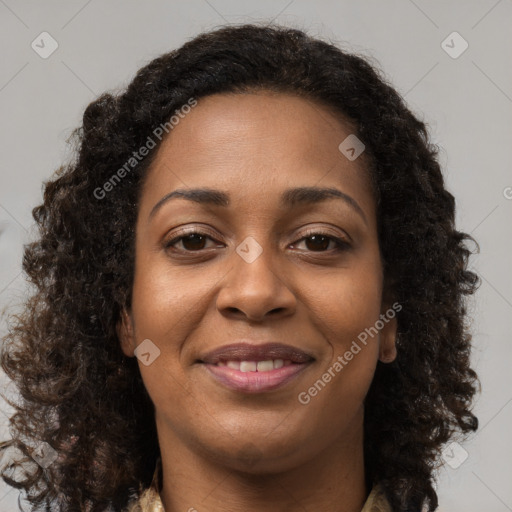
pixel 223 450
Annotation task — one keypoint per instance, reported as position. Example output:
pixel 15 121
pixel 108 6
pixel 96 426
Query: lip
pixel 255 382
pixel 247 351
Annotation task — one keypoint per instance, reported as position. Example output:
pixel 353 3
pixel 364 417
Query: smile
pixel 255 367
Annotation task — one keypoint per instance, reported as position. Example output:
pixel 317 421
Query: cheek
pixel 342 379
pixel 346 305
pixel 167 306
pixel 165 299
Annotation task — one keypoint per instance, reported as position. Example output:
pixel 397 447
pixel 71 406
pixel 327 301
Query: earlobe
pixel 387 344
pixel 124 329
pixel 388 356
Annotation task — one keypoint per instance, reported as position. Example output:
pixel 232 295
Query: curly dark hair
pixel 78 391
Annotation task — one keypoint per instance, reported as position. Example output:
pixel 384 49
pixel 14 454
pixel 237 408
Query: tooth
pixel 252 366
pixel 247 366
pixel 265 366
pixel 235 365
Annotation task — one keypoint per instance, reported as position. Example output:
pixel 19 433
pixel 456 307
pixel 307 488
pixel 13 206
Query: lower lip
pixel 255 382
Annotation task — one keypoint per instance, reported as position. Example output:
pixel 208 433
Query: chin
pixel 271 456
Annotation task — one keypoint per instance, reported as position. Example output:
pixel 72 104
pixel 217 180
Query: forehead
pixel 254 144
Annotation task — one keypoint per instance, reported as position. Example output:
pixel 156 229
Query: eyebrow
pixel 289 198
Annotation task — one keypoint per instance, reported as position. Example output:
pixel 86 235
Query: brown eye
pixel 192 241
pixel 319 242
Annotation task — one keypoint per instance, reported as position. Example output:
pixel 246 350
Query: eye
pixel 319 242
pixel 191 241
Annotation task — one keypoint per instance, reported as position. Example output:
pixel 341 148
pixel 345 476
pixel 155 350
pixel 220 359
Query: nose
pixel 256 289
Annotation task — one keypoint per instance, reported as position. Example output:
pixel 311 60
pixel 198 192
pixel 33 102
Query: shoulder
pixel 149 501
pixel 377 501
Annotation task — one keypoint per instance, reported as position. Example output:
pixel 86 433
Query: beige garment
pixel 150 498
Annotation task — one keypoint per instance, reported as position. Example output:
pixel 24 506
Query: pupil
pixel 194 238
pixel 316 238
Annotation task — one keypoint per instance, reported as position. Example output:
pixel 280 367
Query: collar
pixel 150 501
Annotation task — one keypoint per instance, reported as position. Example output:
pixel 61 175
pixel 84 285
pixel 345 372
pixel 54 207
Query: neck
pixel 333 481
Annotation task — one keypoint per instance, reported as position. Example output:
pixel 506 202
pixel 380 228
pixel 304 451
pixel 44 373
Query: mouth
pixel 250 368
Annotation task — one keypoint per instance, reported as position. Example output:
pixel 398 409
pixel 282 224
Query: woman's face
pixel 265 270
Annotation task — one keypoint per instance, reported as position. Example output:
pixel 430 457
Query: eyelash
pixel 341 245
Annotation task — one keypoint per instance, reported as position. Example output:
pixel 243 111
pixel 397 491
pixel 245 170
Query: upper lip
pixel 247 351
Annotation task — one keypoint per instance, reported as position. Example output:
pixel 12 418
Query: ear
pixel 387 342
pixel 124 329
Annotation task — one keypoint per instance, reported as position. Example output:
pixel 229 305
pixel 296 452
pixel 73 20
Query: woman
pixel 249 293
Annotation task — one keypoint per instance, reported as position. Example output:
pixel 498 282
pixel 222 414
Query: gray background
pixel 466 101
